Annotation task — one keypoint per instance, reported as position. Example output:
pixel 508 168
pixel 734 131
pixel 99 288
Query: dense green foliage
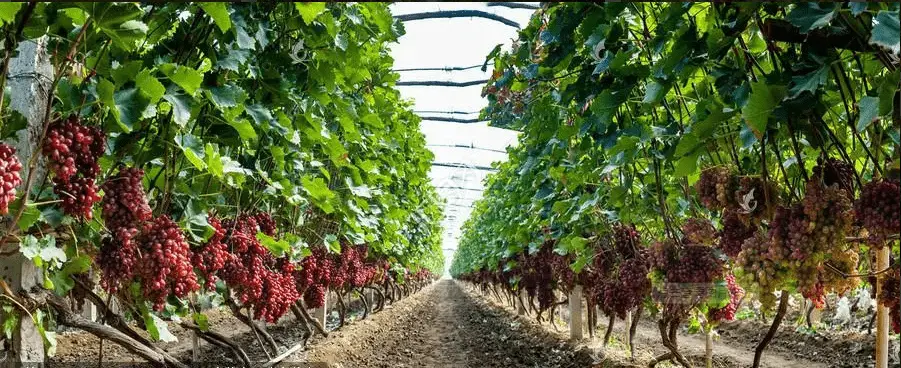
pixel 288 109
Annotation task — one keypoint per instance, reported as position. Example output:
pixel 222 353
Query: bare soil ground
pixel 444 326
pixel 449 324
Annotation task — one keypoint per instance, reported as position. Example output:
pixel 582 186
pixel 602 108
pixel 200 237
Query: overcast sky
pixel 456 42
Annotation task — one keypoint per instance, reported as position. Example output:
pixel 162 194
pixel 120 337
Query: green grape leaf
pixel 319 191
pixel 277 247
pixel 763 100
pixel 261 115
pixel 809 82
pixel 310 10
pixel 244 129
pixel 886 31
pixel 201 321
pixel 150 86
pixel 686 165
pixel 219 13
pixel 62 279
pixel 187 78
pixel 869 110
pixel 182 105
pixel 192 148
pixel 10 321
pixel 331 242
pixel 29 217
pixel 810 16
pixel 228 95
pixel 8 12
pixel 157 327
pixel 130 107
pixel 119 21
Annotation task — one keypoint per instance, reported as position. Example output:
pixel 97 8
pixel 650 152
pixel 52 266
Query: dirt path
pixel 443 326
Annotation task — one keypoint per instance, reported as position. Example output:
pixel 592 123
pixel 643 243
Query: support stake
pixel 882 313
pixel 575 313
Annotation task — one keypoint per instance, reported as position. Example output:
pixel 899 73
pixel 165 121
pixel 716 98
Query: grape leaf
pixel 813 15
pixel 887 31
pixel 310 10
pixel 192 148
pixel 763 100
pixel 150 86
pixel 182 105
pixel 8 11
pixel 187 78
pixel 219 13
pixel 157 327
pixel 809 82
pixel 869 109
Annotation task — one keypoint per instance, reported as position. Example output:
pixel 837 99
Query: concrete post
pixel 29 79
pixel 370 297
pixel 28 346
pixel 575 313
pixel 89 310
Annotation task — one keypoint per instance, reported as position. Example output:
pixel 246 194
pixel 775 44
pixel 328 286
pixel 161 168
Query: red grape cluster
pixel 626 240
pixel 118 258
pixel 716 188
pixel 696 264
pixel 352 264
pixel 821 225
pixel 891 288
pixel 165 266
pixel 261 282
pixel 734 233
pixel 816 293
pixel 878 208
pixel 279 293
pixel 561 270
pixel 689 272
pixel 699 231
pixel 835 172
pixel 627 290
pixel 125 203
pixel 72 150
pixel 727 313
pixel 800 239
pixel 78 196
pixel 213 255
pixel 9 176
pixel 318 275
pixel 267 223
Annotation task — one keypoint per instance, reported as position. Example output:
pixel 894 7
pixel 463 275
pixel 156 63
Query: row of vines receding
pixel 680 159
pixel 174 158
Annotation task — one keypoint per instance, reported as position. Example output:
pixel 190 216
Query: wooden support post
pixel 575 313
pixel 29 79
pixel 882 313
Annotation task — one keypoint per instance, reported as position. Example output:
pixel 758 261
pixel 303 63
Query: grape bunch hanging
pixel 72 152
pixel 9 176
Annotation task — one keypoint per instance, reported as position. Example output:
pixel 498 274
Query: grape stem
pixel 849 275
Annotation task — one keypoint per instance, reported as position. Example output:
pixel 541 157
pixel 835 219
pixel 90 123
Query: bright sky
pixel 455 42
